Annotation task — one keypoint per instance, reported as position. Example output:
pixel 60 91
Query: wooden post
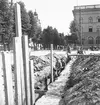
pixel 2 84
pixel 26 68
pixel 51 56
pixel 19 34
pixel 17 71
pixel 7 79
pixel 32 81
pixel 18 20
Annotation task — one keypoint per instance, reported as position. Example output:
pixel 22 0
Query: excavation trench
pixel 53 95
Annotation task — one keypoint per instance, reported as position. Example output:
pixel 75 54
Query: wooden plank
pixel 18 20
pixel 26 68
pixel 32 81
pixel 51 56
pixel 8 78
pixel 2 83
pixel 19 34
pixel 17 72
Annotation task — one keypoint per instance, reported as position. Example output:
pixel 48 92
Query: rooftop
pixel 87 6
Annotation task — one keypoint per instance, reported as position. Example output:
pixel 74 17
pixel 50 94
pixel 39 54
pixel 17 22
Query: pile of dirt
pixel 42 68
pixel 83 85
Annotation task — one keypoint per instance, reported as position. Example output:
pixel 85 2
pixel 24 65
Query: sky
pixel 56 13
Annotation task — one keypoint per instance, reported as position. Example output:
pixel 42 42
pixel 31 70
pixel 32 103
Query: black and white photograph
pixel 49 52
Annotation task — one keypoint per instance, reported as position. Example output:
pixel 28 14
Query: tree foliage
pixel 6 22
pixel 35 30
pixel 75 34
pixel 30 26
pixel 32 22
pixel 51 35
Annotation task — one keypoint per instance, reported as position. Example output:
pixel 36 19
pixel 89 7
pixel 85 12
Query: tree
pixel 55 38
pixel 35 30
pixel 75 34
pixel 51 35
pixel 6 22
pixel 61 39
pixel 47 36
pixel 32 22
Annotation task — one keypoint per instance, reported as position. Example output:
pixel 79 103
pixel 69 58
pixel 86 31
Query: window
pixel 90 29
pixel 90 20
pixel 98 40
pixel 98 28
pixel 90 40
pixel 98 19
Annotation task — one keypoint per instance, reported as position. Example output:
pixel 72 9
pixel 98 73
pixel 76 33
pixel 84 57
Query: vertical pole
pixel 26 68
pixel 17 72
pixel 18 20
pixel 19 34
pixel 51 56
pixel 32 82
pixel 2 83
pixel 8 78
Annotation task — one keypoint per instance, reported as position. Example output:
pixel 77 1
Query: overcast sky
pixel 56 13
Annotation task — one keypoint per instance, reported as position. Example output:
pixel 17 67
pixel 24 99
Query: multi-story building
pixel 87 18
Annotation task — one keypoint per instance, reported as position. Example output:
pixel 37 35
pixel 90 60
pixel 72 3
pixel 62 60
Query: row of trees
pixel 31 28
pixel 51 35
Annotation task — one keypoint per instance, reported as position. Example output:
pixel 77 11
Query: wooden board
pixel 8 78
pixel 2 90
pixel 26 68
pixel 17 72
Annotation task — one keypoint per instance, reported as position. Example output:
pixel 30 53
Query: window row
pixel 90 19
pixel 91 40
pixel 91 29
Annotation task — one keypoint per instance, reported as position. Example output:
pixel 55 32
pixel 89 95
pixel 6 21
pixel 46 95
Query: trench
pixel 53 94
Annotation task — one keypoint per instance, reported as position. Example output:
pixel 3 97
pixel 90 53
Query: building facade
pixel 87 18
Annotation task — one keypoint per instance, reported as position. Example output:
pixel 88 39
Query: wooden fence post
pixel 51 56
pixel 19 34
pixel 2 91
pixel 32 81
pixel 8 78
pixel 17 72
pixel 18 20
pixel 26 68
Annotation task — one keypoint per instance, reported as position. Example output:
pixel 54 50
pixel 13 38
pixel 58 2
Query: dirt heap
pixel 42 67
pixel 83 85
